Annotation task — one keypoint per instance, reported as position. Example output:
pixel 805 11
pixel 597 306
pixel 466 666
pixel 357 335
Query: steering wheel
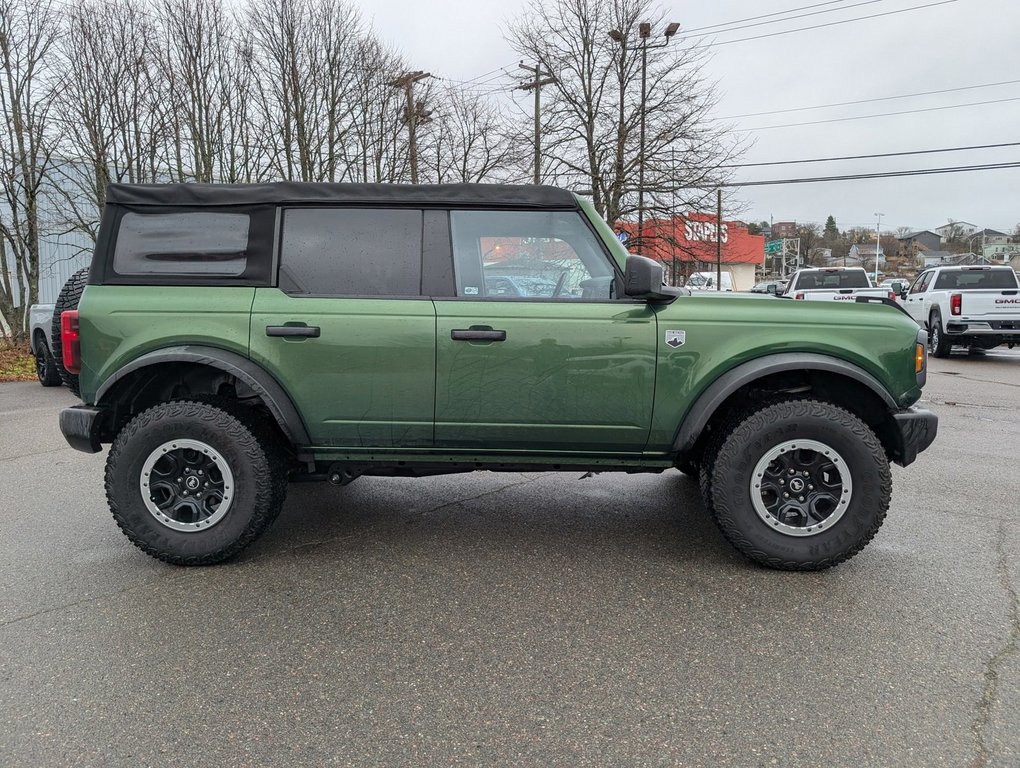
pixel 559 284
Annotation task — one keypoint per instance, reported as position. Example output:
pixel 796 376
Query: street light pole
pixel 644 32
pixel 878 242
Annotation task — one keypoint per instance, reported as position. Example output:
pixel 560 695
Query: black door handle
pixel 473 335
pixel 311 331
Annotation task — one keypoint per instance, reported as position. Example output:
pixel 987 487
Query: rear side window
pixel 833 280
pixel 976 278
pixel 351 252
pixel 190 243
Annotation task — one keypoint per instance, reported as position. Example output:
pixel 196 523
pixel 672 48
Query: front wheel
pixel 800 485
pixel 192 484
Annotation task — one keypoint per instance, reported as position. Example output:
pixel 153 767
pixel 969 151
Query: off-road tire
pixel 45 366
pixel 939 345
pixel 763 430
pixel 259 481
pixel 68 298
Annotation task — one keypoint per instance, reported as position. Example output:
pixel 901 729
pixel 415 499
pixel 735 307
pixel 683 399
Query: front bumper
pixel 82 427
pixel 915 431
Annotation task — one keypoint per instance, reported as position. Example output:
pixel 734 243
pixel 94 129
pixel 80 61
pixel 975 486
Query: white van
pixel 705 281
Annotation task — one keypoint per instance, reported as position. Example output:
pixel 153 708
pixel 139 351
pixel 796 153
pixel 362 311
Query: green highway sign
pixel 774 246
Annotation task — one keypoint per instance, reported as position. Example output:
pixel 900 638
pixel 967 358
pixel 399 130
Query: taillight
pixel 799 296
pixel 956 304
pixel 70 340
pixel 892 295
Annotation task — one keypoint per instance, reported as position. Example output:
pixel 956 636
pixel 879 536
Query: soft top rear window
pixel 192 243
pixel 976 278
pixel 834 280
pixel 192 247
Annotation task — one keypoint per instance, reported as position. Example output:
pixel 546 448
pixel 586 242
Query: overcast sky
pixel 959 44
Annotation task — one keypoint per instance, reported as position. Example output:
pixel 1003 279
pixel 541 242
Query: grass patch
pixel 16 363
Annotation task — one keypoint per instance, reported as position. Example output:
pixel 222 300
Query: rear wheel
pixel 192 484
pixel 68 298
pixel 800 485
pixel 939 345
pixel 45 365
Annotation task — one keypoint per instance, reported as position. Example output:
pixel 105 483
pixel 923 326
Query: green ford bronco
pixel 231 339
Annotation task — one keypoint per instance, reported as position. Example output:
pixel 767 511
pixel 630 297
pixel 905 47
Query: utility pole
pixel 414 115
pixel 878 242
pixel 541 78
pixel 718 239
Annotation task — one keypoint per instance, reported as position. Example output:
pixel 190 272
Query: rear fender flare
pixel 253 375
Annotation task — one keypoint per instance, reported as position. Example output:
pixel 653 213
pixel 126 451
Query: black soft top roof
pixel 529 196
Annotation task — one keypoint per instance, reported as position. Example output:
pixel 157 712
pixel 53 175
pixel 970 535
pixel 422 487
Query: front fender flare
pixel 253 375
pixel 709 401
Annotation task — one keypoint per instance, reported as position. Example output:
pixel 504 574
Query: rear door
pixel 533 352
pixel 346 331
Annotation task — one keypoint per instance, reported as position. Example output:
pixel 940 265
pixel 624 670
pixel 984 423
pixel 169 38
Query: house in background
pixel 947 259
pixel 781 229
pixel 957 228
pixel 916 242
pixel 863 255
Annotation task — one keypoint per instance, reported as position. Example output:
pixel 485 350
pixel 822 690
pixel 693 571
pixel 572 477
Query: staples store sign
pixel 705 231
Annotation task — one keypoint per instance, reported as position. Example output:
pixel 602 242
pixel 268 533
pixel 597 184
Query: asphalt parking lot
pixel 519 619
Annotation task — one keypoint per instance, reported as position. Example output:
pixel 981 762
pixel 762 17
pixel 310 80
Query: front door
pixel 347 332
pixel 534 353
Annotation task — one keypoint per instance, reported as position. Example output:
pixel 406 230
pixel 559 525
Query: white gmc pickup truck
pixel 833 284
pixel 40 318
pixel 977 307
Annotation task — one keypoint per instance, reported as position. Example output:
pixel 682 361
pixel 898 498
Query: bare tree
pixel 28 32
pixel 469 140
pixel 595 107
pixel 106 111
pixel 307 91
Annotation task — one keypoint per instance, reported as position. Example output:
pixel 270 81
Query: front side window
pixel 186 244
pixel 351 252
pixel 533 255
pixel 920 283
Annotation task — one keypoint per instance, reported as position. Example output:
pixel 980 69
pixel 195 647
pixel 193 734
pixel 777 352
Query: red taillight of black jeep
pixel 70 341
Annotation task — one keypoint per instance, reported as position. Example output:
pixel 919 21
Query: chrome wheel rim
pixel 187 485
pixel 801 487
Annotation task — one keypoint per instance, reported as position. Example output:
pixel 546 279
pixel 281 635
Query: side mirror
pixel 779 290
pixel 903 293
pixel 644 279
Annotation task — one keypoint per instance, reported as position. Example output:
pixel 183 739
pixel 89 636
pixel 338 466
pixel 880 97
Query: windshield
pixel 833 280
pixel 976 278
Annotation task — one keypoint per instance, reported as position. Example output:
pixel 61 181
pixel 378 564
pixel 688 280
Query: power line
pixel 881 114
pixel 869 101
pixel 766 15
pixel 828 24
pixel 883 175
pixel 869 157
pixel 788 18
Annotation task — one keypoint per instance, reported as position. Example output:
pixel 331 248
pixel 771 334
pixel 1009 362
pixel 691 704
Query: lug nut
pixel 810 487
pixel 786 495
pixel 800 498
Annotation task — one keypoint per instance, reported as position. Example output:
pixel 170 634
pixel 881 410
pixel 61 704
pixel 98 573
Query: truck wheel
pixel 800 485
pixel 939 345
pixel 191 484
pixel 45 365
pixel 68 298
